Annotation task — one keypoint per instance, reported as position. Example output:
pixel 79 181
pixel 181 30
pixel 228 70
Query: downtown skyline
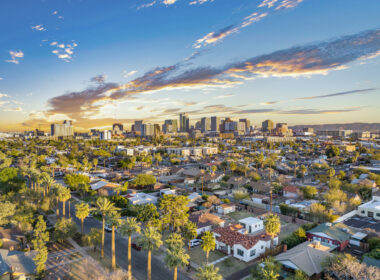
pixel 294 61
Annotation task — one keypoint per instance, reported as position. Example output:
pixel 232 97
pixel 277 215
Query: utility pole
pixel 202 185
pixel 271 190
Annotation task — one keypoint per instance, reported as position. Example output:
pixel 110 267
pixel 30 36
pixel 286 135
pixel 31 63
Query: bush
pixel 374 243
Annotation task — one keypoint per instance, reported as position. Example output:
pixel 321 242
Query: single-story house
pixel 337 235
pixel 234 241
pixel 12 238
pixel 253 225
pixel 17 265
pixel 141 198
pixel 226 208
pixel 307 257
pixel 370 209
pixel 291 192
pixel 205 221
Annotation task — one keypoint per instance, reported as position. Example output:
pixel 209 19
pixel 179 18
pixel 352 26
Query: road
pixel 139 259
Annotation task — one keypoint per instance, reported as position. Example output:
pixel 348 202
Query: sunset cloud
pixel 64 51
pixel 357 91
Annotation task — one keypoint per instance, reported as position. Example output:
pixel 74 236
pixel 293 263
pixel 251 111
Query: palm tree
pixel 113 219
pixel 174 240
pixel 208 272
pixel 48 182
pixel 64 195
pixel 189 231
pixel 208 243
pixel 128 227
pixel 104 207
pixel 272 226
pixel 331 173
pixel 303 170
pixel 176 257
pixel 81 212
pixel 150 240
pixel 55 191
pixel 95 163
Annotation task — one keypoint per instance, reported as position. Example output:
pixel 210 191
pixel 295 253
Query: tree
pixel 104 207
pixel 213 169
pixel 174 241
pixel 303 171
pixel 332 151
pixel 64 229
pixel 157 158
pixel 189 231
pixel 82 210
pixel 7 209
pixel 40 238
pixel 174 210
pixel 64 195
pixel 233 166
pixel 272 226
pixel 95 163
pixel 269 269
pixel 94 238
pixel 150 240
pixel 113 219
pixel 147 212
pixel 208 243
pixel 335 195
pixel 129 227
pixel 208 272
pixel 331 173
pixel 145 180
pixel 309 192
pixel 176 257
pixel 48 182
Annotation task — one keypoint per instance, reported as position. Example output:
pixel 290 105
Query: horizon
pixel 301 62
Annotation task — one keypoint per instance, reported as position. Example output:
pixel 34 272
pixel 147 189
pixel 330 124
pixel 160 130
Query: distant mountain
pixel 373 127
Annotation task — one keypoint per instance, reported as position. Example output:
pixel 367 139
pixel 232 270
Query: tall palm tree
pixel 208 243
pixel 176 257
pixel 189 231
pixel 174 240
pixel 55 192
pixel 150 240
pixel 208 272
pixel 303 170
pixel 64 195
pixel 104 207
pixel 81 212
pixel 331 173
pixel 272 226
pixel 48 182
pixel 129 227
pixel 113 219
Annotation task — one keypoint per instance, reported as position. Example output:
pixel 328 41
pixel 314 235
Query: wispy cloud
pixel 357 91
pixel 14 109
pixel 39 27
pixel 15 55
pixel 267 3
pixel 307 60
pixel 280 4
pixel 55 13
pixel 199 2
pixel 224 96
pixel 147 5
pixel 3 95
pixel 296 112
pixel 215 37
pixel 270 102
pixel 101 78
pixel 64 51
pixel 169 2
pixel 128 74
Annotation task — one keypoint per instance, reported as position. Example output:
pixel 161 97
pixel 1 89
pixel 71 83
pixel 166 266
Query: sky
pixel 98 62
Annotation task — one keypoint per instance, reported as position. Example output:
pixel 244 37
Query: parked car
pixel 108 228
pixel 195 242
pixel 136 247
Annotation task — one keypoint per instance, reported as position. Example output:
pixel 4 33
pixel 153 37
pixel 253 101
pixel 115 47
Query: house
pixel 167 191
pixel 205 221
pixel 213 178
pixel 237 182
pixel 337 235
pixel 370 209
pixel 226 208
pixel 252 225
pixel 234 241
pixel 141 198
pixel 17 265
pixel 104 188
pixel 12 238
pixel 291 192
pixel 307 257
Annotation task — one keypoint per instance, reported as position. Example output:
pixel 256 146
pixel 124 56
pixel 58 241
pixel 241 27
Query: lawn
pixel 198 256
pixel 230 266
pixel 238 215
pixel 287 229
pixel 105 262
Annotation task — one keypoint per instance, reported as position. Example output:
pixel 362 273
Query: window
pixel 363 212
pixel 262 247
pixel 240 252
pixel 252 253
pixel 377 214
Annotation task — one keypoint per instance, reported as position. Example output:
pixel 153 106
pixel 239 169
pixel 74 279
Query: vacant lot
pixel 287 229
pixel 238 215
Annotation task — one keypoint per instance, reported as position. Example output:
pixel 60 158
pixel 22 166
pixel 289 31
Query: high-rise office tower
pixel 267 126
pixel 62 130
pixel 147 130
pixel 170 126
pixel 184 122
pixel 215 123
pixel 205 124
pixel 137 128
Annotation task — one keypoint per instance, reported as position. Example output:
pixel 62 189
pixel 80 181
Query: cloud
pixel 64 51
pixel 287 4
pixel 1 78
pixel 200 2
pixel 14 109
pixel 55 13
pixel 307 60
pixel 267 3
pixel 15 55
pixel 215 37
pixel 296 112
pixel 270 102
pixel 140 108
pixel 39 27
pixel 3 95
pixel 169 2
pixel 99 78
pixel 147 5
pixel 357 91
pixel 224 96
pixel 130 73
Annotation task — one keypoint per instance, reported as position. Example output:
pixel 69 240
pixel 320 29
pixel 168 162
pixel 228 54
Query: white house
pixel 370 209
pixel 167 191
pixel 252 224
pixel 225 208
pixel 205 221
pixel 141 198
pixel 242 246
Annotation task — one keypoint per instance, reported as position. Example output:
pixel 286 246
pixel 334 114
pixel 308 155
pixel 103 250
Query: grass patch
pixel 238 215
pixel 230 266
pixel 106 262
pixel 198 256
pixel 287 229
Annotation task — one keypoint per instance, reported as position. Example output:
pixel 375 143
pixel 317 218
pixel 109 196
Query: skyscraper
pixel 267 126
pixel 215 123
pixel 170 126
pixel 205 124
pixel 184 122
pixel 62 130
pixel 137 128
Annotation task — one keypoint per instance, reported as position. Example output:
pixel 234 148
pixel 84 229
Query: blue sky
pixel 94 61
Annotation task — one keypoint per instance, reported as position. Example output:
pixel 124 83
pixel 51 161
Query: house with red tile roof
pixel 225 208
pixel 234 240
pixel 205 221
pixel 291 191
